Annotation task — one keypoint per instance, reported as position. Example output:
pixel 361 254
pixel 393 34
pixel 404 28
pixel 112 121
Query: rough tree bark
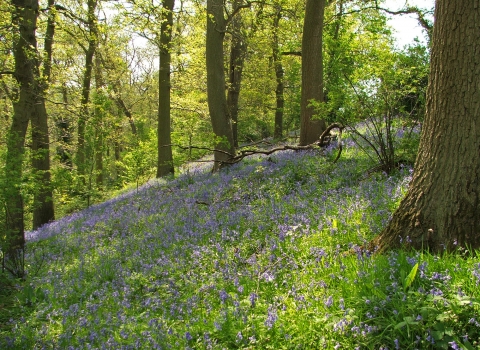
pixel 442 207
pixel 217 102
pixel 312 71
pixel 165 157
pixel 29 94
pixel 237 56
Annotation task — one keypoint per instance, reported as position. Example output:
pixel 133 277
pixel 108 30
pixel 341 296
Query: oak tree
pixel 441 209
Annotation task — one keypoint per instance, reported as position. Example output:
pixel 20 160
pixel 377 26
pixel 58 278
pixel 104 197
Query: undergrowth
pixel 262 255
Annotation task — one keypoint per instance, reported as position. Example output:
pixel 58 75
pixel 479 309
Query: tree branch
pixel 427 25
pixel 68 13
pixel 233 159
pixel 292 53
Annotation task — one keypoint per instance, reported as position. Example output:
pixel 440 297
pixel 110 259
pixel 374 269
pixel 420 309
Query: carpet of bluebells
pixel 265 254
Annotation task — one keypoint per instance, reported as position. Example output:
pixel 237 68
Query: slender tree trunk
pixel 217 102
pixel 117 150
pixel 15 238
pixel 237 56
pixel 165 157
pixel 122 106
pixel 332 75
pixel 277 62
pixel 48 42
pixel 312 71
pixel 442 207
pixel 43 210
pixel 24 109
pixel 87 77
pixel 65 139
pixel 99 116
pixel 116 96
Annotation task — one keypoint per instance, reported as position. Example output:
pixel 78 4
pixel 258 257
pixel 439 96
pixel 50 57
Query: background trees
pixel 122 82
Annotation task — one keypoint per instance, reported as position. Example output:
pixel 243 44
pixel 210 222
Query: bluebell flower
pixel 329 301
pixel 253 298
pixel 454 345
pixel 271 317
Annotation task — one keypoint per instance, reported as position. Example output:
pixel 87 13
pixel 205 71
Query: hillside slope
pixel 261 255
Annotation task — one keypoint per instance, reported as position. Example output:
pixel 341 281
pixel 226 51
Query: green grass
pixel 264 255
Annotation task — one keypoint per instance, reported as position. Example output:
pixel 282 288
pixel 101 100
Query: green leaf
pixel 441 344
pixel 400 325
pixel 468 345
pixel 437 335
pixel 409 319
pixel 449 331
pixel 445 316
pixel 39 294
pixel 411 276
pixel 426 311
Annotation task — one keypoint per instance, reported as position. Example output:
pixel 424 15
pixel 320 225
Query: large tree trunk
pixel 43 210
pixel 442 207
pixel 237 56
pixel 277 62
pixel 312 71
pixel 87 78
pixel 165 158
pixel 217 102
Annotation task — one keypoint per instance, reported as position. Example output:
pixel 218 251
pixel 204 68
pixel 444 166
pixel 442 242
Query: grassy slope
pixel 262 255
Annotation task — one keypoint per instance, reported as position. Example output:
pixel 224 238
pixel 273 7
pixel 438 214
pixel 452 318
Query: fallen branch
pixel 323 141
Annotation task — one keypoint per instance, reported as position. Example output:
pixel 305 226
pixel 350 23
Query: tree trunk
pixel 121 105
pixel 217 102
pixel 87 77
pixel 312 71
pixel 99 116
pixel 165 158
pixel 116 96
pixel 237 56
pixel 441 210
pixel 277 62
pixel 26 64
pixel 64 129
pixel 43 210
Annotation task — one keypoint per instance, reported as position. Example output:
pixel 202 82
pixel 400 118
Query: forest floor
pixel 264 254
